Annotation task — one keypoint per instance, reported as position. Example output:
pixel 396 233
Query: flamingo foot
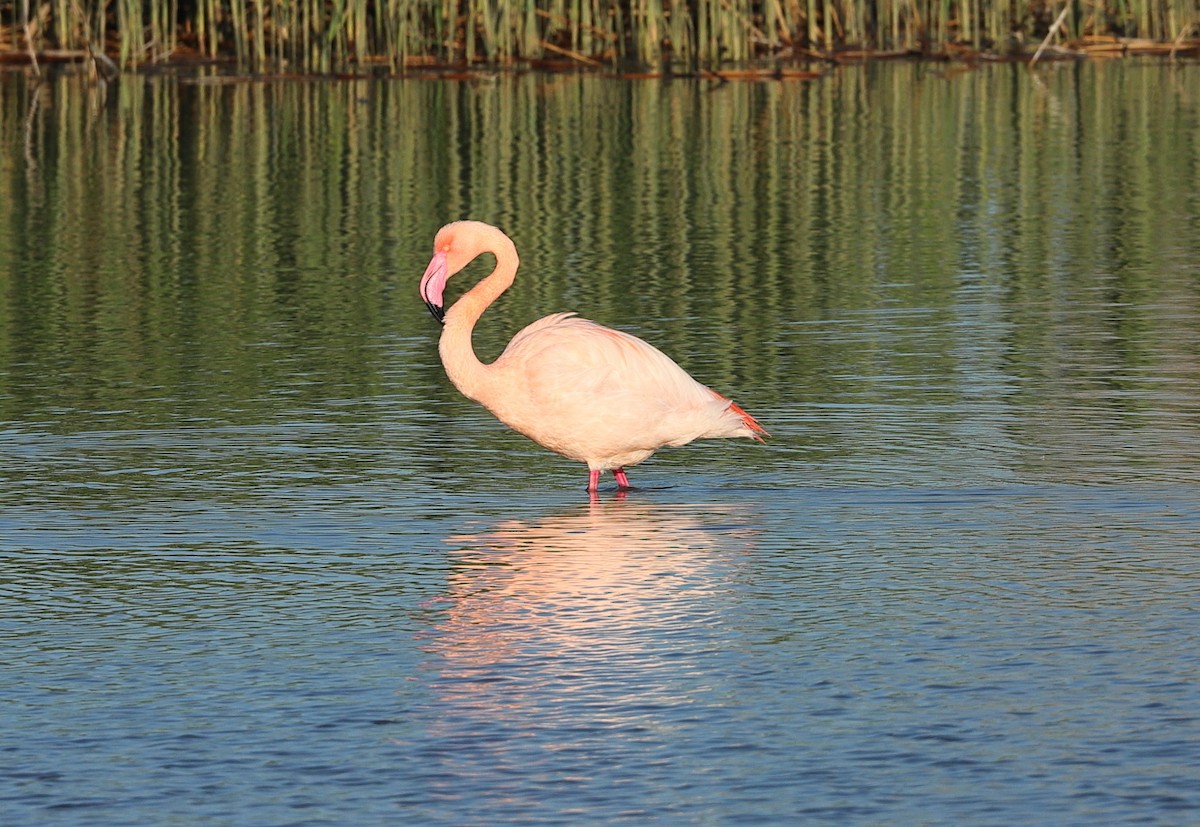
pixel 593 480
pixel 622 480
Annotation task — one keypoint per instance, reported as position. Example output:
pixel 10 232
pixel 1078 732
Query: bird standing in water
pixel 590 393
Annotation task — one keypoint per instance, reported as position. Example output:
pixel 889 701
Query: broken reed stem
pixel 1050 34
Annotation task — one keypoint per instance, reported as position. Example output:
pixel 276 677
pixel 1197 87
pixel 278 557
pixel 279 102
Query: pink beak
pixel 433 284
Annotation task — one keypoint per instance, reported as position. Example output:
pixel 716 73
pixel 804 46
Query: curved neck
pixel 463 367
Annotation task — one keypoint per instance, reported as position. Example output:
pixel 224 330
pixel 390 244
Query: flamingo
pixel 585 391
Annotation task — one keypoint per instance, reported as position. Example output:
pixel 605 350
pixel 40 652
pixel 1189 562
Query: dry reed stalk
pixel 1183 32
pixel 1050 34
pixel 576 56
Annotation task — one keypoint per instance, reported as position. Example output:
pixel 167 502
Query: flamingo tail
pixel 757 431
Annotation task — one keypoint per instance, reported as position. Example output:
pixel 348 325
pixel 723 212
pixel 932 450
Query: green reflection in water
pixel 889 257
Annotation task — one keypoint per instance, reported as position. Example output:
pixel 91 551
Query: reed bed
pixel 685 36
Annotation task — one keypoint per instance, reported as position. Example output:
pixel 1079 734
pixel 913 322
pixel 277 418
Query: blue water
pixel 709 652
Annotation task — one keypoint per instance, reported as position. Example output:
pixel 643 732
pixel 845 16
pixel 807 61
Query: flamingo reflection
pixel 582 616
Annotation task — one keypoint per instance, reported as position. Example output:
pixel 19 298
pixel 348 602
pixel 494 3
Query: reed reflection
pixel 597 616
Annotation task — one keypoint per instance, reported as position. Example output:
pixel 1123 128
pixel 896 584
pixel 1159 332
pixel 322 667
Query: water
pixel 260 564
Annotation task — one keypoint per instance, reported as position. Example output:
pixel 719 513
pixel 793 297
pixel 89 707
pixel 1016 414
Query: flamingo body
pixel 582 390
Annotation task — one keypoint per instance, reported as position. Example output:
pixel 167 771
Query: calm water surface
pixel 260 564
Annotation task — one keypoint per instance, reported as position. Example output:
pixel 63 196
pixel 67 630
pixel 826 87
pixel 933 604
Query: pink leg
pixel 593 480
pixel 622 480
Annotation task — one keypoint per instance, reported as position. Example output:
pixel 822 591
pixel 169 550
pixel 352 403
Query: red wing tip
pixel 758 431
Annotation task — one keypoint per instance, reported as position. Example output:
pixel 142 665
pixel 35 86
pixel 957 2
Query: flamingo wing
pixel 594 393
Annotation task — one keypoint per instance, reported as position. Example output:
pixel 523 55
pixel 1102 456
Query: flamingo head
pixel 455 246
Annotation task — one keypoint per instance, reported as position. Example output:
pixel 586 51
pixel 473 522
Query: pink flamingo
pixel 582 390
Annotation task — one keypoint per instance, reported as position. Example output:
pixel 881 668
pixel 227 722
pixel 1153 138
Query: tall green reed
pixel 658 35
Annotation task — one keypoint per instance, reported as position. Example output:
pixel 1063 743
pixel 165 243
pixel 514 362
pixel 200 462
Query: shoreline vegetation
pixel 726 39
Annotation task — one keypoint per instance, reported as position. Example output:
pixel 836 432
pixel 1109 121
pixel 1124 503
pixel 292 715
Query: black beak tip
pixel 438 312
